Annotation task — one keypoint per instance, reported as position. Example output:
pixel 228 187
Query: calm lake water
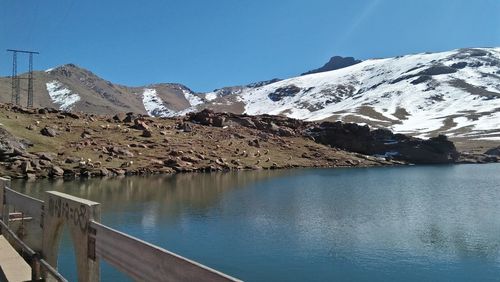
pixel 426 223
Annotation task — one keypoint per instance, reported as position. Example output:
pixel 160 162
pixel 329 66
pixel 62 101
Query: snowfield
pixel 61 96
pixel 456 93
pixel 155 106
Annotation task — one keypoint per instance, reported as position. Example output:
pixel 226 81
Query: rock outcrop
pixel 346 136
pixel 335 63
pixel 493 151
pixel 11 146
pixel 384 143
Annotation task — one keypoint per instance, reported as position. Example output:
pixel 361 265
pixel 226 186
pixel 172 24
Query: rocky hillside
pixel 39 143
pixel 456 93
pixel 45 142
pixel 71 88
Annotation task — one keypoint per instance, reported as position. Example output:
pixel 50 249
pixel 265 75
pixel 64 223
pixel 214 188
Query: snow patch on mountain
pixel 210 96
pixel 192 98
pixel 154 105
pixel 61 96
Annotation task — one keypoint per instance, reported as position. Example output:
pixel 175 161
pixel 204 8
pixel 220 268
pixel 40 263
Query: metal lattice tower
pixel 16 85
pixel 15 80
pixel 30 81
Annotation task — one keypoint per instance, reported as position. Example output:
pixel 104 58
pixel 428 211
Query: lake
pixel 418 223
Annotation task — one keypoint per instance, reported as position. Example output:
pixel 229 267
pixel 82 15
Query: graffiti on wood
pixel 78 215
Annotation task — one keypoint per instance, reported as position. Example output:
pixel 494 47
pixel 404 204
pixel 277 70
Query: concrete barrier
pixel 76 213
pixel 4 182
pixel 29 224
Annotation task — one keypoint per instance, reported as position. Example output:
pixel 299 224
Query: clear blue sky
pixel 209 44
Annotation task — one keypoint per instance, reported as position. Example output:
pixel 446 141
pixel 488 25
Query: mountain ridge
pixel 454 92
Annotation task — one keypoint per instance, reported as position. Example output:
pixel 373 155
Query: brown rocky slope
pixel 39 143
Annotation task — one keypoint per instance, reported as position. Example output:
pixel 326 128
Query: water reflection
pixel 421 223
pixel 156 196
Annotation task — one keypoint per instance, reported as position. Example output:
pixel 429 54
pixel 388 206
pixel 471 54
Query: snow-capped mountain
pixel 69 87
pixel 456 93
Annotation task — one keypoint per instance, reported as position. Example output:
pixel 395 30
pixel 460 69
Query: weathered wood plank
pixel 145 262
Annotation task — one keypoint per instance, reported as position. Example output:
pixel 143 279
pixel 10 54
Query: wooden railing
pixel 37 235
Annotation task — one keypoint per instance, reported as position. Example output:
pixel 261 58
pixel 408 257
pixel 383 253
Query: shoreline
pixel 120 176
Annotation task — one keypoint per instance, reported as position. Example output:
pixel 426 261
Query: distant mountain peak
pixel 67 69
pixel 335 63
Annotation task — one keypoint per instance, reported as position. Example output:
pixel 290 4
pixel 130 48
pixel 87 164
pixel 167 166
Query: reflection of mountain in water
pixel 170 193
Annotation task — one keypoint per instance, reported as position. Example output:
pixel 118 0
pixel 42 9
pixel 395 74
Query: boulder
pixel 207 117
pixel 120 117
pixel 46 156
pixel 130 117
pixel 32 127
pixel 71 115
pixel 104 172
pixel 254 143
pixel 120 172
pixel 140 124
pixel 120 151
pixel 49 132
pixel 186 127
pixel 285 131
pixel 45 163
pixel 26 167
pixel 243 121
pixel 493 151
pixel 147 133
pixel 86 134
pixel 23 110
pixel 72 160
pixel 56 172
pixel 175 153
